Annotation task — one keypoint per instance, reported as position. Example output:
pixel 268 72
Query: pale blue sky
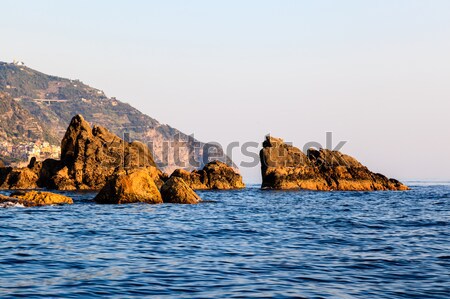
pixel 375 73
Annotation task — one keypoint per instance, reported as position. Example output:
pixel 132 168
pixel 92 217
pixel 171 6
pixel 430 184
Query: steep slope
pixel 53 101
pixel 17 124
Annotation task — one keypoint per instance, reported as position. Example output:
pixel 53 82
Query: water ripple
pixel 237 244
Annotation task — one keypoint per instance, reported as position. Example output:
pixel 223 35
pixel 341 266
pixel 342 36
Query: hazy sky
pixel 375 73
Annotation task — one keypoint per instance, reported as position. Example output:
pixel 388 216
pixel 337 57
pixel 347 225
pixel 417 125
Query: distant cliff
pixel 38 107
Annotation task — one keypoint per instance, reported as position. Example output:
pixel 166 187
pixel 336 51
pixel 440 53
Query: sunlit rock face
pixel 215 175
pixel 284 166
pixel 89 156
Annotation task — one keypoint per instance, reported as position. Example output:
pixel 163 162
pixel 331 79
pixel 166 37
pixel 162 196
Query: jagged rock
pixel 88 157
pixel 92 155
pixel 4 172
pixel 157 175
pixel 18 178
pixel 35 175
pixel 221 176
pixel 62 181
pixel 175 190
pixel 195 179
pixel 36 198
pixel 131 186
pixel 343 172
pixel 286 167
pixel 215 175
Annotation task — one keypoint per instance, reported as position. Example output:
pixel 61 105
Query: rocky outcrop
pixel 92 155
pixel 286 167
pixel 130 187
pixel 215 175
pixel 194 179
pixel 156 175
pixel 175 190
pixel 343 172
pixel 18 178
pixel 88 157
pixel 35 198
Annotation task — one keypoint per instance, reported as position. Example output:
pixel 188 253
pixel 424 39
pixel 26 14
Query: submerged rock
pixel 175 190
pixel 129 187
pixel 37 198
pixel 215 175
pixel 286 167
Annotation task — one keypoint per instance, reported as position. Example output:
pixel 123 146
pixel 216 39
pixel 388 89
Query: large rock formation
pixel 132 186
pixel 215 175
pixel 175 190
pixel 35 198
pixel 88 157
pixel 92 155
pixel 286 167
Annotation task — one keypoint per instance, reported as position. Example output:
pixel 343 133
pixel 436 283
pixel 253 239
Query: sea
pixel 249 243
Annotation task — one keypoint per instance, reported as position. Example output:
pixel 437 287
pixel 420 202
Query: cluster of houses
pixel 22 152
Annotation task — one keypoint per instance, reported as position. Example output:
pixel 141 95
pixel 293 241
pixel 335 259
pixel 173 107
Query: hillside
pixel 43 105
pixel 17 124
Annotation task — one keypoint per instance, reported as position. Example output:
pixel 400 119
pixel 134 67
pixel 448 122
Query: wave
pixel 9 204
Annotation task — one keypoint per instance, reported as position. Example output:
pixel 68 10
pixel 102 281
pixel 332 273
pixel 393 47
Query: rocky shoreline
pixel 93 158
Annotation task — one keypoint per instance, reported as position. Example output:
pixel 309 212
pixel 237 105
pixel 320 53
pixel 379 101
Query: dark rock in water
pixel 36 198
pixel 4 172
pixel 215 175
pixel 286 167
pixel 53 174
pixel 132 186
pixel 175 190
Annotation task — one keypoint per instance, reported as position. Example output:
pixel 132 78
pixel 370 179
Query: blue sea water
pixel 236 244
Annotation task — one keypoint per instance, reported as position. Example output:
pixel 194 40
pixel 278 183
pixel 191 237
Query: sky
pixel 374 73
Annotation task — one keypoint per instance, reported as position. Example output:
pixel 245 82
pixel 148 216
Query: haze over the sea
pixel 375 73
